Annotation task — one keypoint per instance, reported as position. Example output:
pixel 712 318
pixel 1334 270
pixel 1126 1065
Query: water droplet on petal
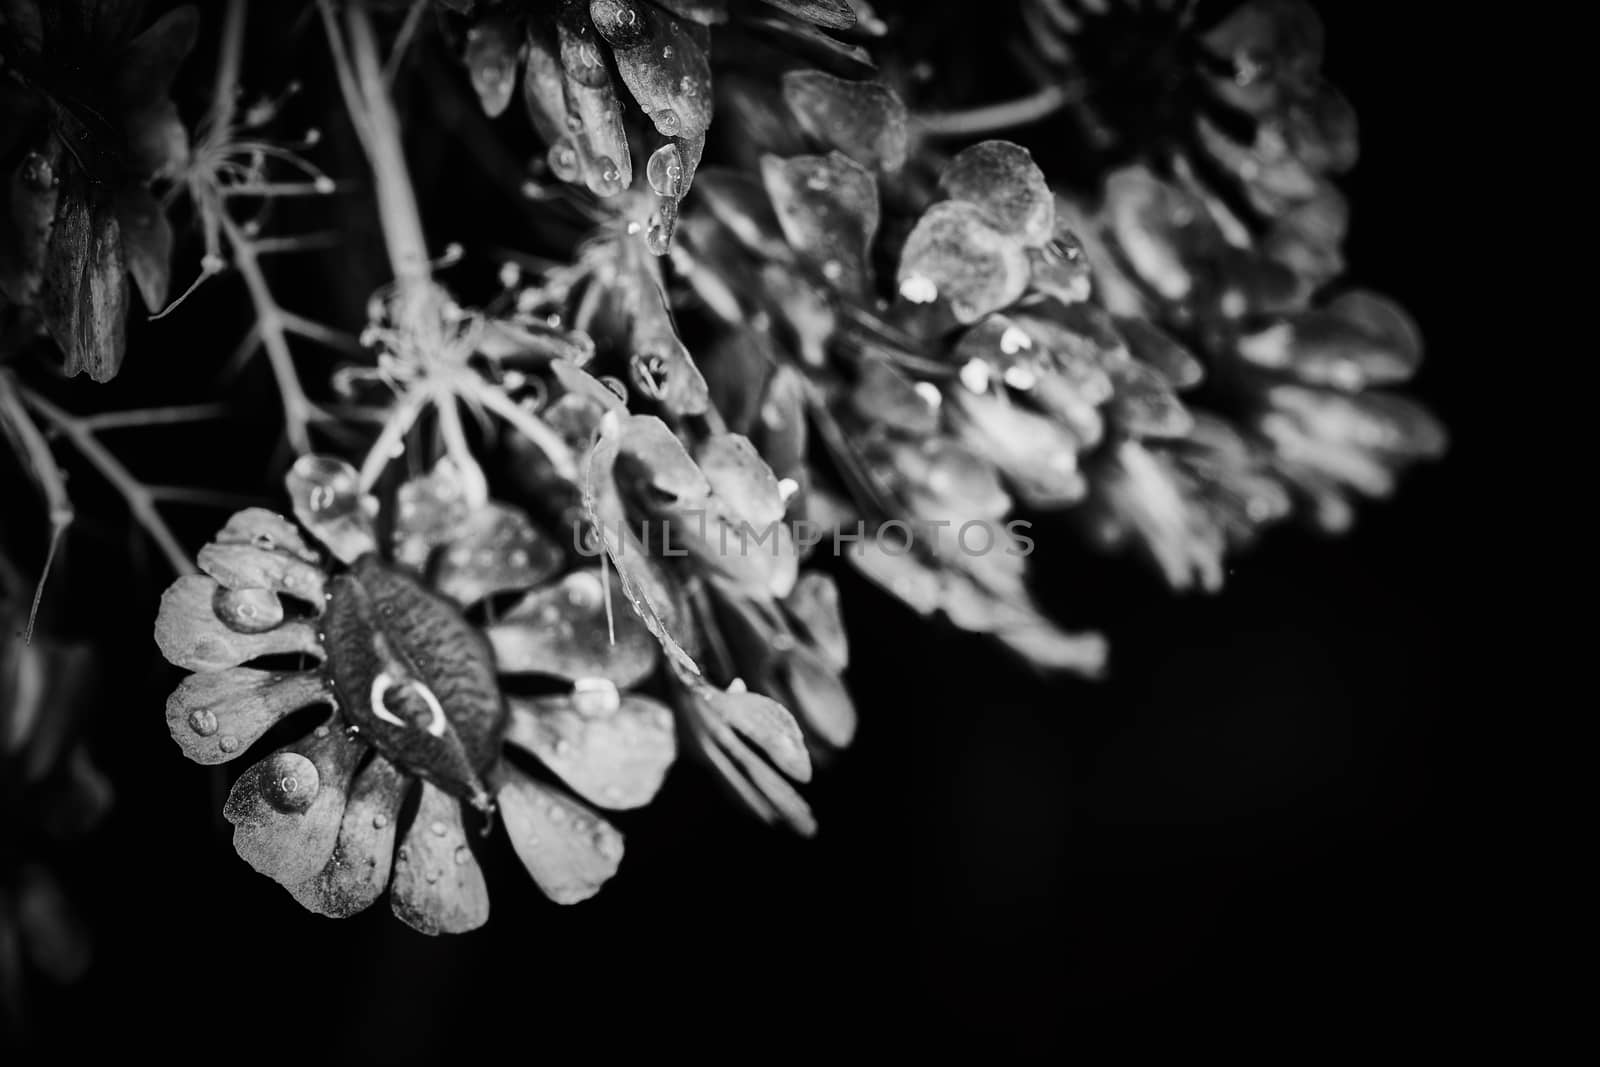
pixel 592 697
pixel 228 743
pixel 379 821
pixel 564 163
pixel 439 828
pixel 463 855
pixel 667 122
pixel 664 171
pixel 975 376
pixel 203 722
pixel 919 289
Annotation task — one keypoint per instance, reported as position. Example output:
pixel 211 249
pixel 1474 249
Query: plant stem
pixel 141 504
pixel 271 331
pixel 14 416
pixel 991 118
pixel 397 201
pixel 225 94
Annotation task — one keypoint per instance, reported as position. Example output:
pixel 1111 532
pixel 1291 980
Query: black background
pixel 1265 822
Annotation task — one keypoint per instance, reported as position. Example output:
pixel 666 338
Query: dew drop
pixel 379 821
pixel 664 171
pixel 608 844
pixel 1014 340
pixel 563 160
pixel 593 697
pixel 290 782
pixel 203 722
pixel 930 394
pixel 667 122
pixel 919 289
pixel 833 270
pixel 439 829
pixel 975 376
pixel 1020 378
pixel 463 855
pixel 228 743
pixel 434 874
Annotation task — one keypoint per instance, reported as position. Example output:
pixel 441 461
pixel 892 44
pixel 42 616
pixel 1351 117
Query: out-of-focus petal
pixel 865 120
pixel 828 208
pixel 1002 180
pixel 561 631
pixel 954 254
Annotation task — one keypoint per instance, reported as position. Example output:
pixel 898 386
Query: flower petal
pixel 358 870
pixel 84 299
pixel 438 886
pixel 812 688
pixel 763 790
pixel 497 550
pixel 612 753
pixel 570 851
pixel 562 631
pixel 828 208
pixel 955 254
pixel 286 810
pixel 1002 179
pixel 814 604
pixel 217 715
pixel 834 14
pixel 249 567
pixel 264 529
pixel 328 501
pixel 491 61
pixel 591 98
pixel 146 245
pixel 866 120
pixel 191 635
pixel 764 722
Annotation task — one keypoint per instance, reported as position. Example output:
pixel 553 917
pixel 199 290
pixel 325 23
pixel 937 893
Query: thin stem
pixel 141 504
pixel 43 462
pixel 475 488
pixel 270 326
pixel 533 429
pixel 402 42
pixel 118 420
pixel 401 418
pixel 323 335
pixel 397 201
pixel 993 118
pixel 225 95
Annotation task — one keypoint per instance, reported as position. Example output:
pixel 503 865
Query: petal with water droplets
pixel 763 721
pixel 955 254
pixel 265 529
pixel 1002 180
pixel 327 500
pixel 287 809
pixel 363 855
pixel 249 567
pixel 616 757
pixel 570 851
pixel 561 631
pixel 814 604
pixel 217 715
pixel 834 14
pixel 497 550
pixel 438 887
pixel 191 635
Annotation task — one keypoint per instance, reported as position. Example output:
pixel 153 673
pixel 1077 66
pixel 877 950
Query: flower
pixel 417 696
pixel 88 127
pixel 935 408
pixel 658 52
pixel 1229 96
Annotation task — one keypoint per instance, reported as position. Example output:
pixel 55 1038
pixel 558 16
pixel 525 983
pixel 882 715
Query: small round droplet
pixel 564 162
pixel 434 874
pixel 919 289
pixel 439 829
pixel 608 844
pixel 203 722
pixel 379 821
pixel 975 376
pixel 463 855
pixel 667 122
pixel 228 743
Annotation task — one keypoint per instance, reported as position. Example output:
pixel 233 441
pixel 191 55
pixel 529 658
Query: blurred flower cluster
pixel 565 499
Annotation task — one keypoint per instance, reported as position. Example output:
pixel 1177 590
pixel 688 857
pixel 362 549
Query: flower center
pixel 414 676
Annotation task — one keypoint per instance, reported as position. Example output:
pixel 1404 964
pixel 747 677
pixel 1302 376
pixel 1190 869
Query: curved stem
pixel 141 503
pixel 992 118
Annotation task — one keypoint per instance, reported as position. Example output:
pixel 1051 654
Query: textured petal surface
pixel 570 851
pixel 613 752
pixel 358 869
pixel 217 715
pixel 438 887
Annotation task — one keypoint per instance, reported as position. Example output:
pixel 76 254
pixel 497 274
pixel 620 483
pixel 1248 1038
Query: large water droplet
pixel 289 782
pixel 250 611
pixel 664 171
pixel 203 722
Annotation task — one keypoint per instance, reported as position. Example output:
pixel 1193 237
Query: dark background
pixel 1266 822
